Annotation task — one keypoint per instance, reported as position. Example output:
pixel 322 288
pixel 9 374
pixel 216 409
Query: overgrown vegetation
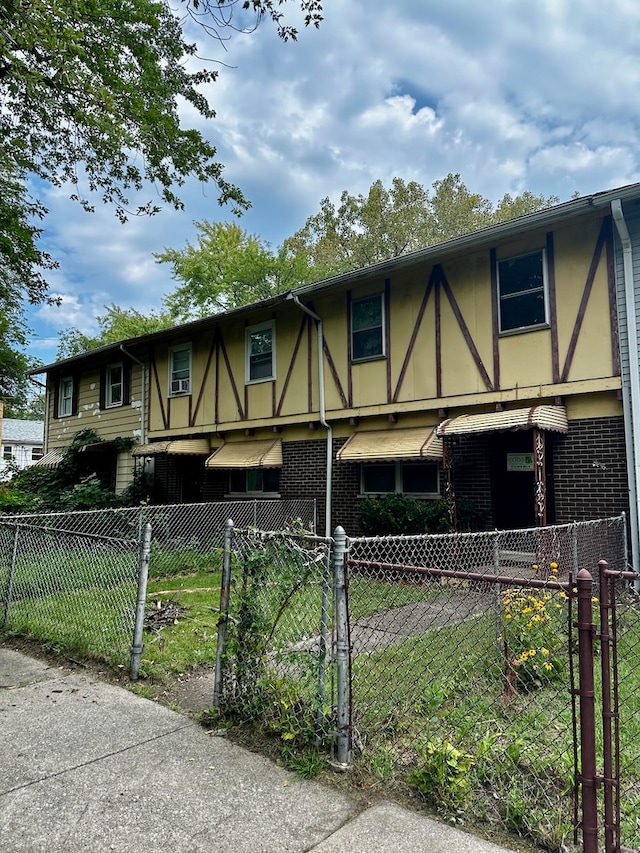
pixel 402 515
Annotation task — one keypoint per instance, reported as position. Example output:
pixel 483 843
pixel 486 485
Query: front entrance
pixel 513 479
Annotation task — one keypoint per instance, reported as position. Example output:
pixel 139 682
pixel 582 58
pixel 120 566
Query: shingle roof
pixel 18 431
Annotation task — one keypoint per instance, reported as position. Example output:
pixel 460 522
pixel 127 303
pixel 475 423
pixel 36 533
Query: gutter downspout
pixel 143 409
pixel 47 400
pixel 631 400
pixel 323 418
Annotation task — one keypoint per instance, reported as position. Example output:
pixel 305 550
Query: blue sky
pixel 512 95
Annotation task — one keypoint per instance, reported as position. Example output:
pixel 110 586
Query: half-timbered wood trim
pixel 164 414
pixel 234 387
pixel 465 330
pixel 349 402
pixel 414 335
pixel 387 333
pixel 495 323
pixel 334 373
pixel 216 401
pixel 292 361
pixel 203 384
pixel 613 302
pixel 586 293
pixel 553 305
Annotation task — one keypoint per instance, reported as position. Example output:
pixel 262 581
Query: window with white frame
pixel 65 397
pixel 522 292
pixel 254 481
pixel 114 385
pixel 180 370
pixel 36 453
pixel 7 452
pixel 420 479
pixel 260 355
pixel 367 327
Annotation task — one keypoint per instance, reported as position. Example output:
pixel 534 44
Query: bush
pixel 399 515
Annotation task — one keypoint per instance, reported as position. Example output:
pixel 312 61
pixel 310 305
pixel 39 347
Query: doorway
pixel 513 480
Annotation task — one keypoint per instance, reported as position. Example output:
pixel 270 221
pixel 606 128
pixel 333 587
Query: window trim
pixel 383 322
pixel 545 292
pixel 399 463
pixel 246 492
pixel 60 413
pixel 109 385
pixel 7 452
pixel 183 390
pixel 248 332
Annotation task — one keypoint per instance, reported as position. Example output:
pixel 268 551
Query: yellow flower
pixel 554 565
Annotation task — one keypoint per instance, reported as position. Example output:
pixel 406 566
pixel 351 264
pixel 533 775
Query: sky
pixel 513 95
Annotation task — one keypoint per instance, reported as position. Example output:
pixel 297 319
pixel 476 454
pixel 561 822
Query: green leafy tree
pixel 117 324
pixel 90 93
pixel 226 268
pixel 386 223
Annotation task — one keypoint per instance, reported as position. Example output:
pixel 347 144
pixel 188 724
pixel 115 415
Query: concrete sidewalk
pixel 88 766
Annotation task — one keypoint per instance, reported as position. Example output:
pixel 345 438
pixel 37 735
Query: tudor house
pixel 493 366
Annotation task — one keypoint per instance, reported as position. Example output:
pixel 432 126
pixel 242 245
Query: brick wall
pixel 472 476
pixel 589 470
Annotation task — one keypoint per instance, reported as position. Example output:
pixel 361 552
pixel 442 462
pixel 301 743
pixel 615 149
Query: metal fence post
pixel 611 826
pixel 586 692
pixel 12 570
pixel 225 589
pixel 143 575
pixel 341 651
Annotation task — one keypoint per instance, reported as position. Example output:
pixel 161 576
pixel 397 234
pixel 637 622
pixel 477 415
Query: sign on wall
pixel 519 461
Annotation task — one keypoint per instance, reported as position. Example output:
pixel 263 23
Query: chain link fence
pixel 275 636
pixel 69 579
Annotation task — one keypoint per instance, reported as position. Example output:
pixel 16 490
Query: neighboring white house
pixel 22 443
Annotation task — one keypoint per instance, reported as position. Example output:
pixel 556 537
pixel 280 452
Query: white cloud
pixel 513 96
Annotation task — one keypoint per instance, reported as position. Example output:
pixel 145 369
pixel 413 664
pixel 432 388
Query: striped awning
pixel 410 443
pixel 50 460
pixel 247 454
pixel 552 418
pixel 178 447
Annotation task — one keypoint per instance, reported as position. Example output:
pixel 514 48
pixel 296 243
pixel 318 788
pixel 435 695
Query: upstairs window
pixel 260 343
pixel 180 370
pixel 65 397
pixel 420 479
pixel 367 324
pixel 114 385
pixel 7 452
pixel 521 291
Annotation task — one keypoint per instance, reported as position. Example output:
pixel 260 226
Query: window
pixel 180 370
pixel 521 290
pixel 406 478
pixel 247 481
pixel 114 385
pixel 260 342
pixel 65 397
pixel 367 321
pixel 7 452
pixel 36 453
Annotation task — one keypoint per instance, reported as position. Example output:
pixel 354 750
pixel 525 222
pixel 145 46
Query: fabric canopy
pixel 543 417
pixel 50 460
pixel 247 454
pixel 182 446
pixel 410 443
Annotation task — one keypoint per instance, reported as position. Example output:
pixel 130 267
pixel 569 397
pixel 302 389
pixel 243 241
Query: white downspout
pixel 323 418
pixel 143 409
pixel 631 401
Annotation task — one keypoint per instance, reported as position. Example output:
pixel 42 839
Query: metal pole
pixel 143 575
pixel 12 570
pixel 607 714
pixel 341 649
pixel 586 692
pixel 225 589
pixel 322 663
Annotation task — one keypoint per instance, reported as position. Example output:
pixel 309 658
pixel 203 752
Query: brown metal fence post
pixel 611 826
pixel 225 590
pixel 586 692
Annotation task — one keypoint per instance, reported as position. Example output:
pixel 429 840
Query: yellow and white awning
pixel 50 460
pixel 247 454
pixel 178 447
pixel 553 418
pixel 409 443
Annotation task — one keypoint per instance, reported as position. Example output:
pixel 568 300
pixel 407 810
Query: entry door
pixel 513 480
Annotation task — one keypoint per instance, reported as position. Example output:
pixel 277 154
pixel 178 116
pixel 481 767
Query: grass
pixel 420 703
